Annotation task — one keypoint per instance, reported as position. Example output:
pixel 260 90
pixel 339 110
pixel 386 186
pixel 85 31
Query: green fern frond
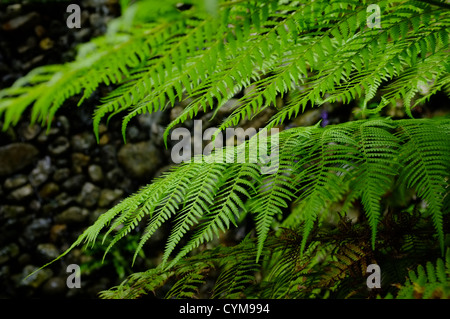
pixel 425 167
pixel 429 282
pixel 323 46
pixel 359 159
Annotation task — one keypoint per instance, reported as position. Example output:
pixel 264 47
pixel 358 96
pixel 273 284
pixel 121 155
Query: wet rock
pixel 74 183
pixel 15 181
pixel 38 228
pixel 8 252
pixel 41 172
pixel 47 251
pixel 32 62
pixel 104 139
pixel 79 160
pixel 29 45
pixel 59 146
pixel 140 160
pixel 109 196
pixel 36 279
pixel 114 177
pixel 20 22
pixel 46 136
pixel 55 286
pixel 82 142
pixel 89 195
pixel 308 118
pixel 108 156
pixel 35 205
pixel 95 173
pixel 21 193
pixel 82 35
pixel 133 133
pixel 72 215
pixel 46 44
pixel 64 199
pixel 57 232
pixel 49 190
pixel 13 9
pixel 63 123
pixel 9 212
pixel 49 208
pixel 28 131
pixel 61 174
pixel 16 156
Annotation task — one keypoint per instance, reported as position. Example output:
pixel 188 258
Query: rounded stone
pixel 16 156
pixel 140 160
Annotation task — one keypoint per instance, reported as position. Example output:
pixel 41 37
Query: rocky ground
pixel 54 184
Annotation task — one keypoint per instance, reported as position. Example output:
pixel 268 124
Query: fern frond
pixel 359 159
pixel 276 47
pixel 426 166
pixel 429 282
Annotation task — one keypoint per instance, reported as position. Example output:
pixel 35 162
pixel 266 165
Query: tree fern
pixel 379 148
pixel 304 53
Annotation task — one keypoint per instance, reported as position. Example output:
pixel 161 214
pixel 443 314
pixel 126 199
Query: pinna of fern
pixel 157 60
pixel 332 266
pixel 352 161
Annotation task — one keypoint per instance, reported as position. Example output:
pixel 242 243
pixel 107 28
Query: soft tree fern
pixel 306 52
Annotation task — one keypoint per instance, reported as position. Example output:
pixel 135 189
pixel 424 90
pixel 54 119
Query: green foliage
pixel 429 282
pixel 173 55
pixel 307 53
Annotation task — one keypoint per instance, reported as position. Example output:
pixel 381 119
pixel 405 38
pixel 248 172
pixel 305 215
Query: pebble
pixel 108 156
pixel 95 173
pixel 44 172
pixel 47 251
pixel 41 172
pixel 63 123
pixel 83 142
pixel 9 212
pixel 57 231
pixel 63 199
pixel 28 131
pixel 46 44
pixel 8 252
pixel 79 160
pixel 72 215
pixel 16 156
pixel 89 195
pixel 39 227
pixel 74 183
pixel 21 21
pixel 55 286
pixel 61 174
pixel 59 146
pixel 49 190
pixel 37 279
pixel 308 118
pixel 140 160
pixel 35 205
pixel 15 181
pixel 46 136
pixel 109 196
pixel 21 193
